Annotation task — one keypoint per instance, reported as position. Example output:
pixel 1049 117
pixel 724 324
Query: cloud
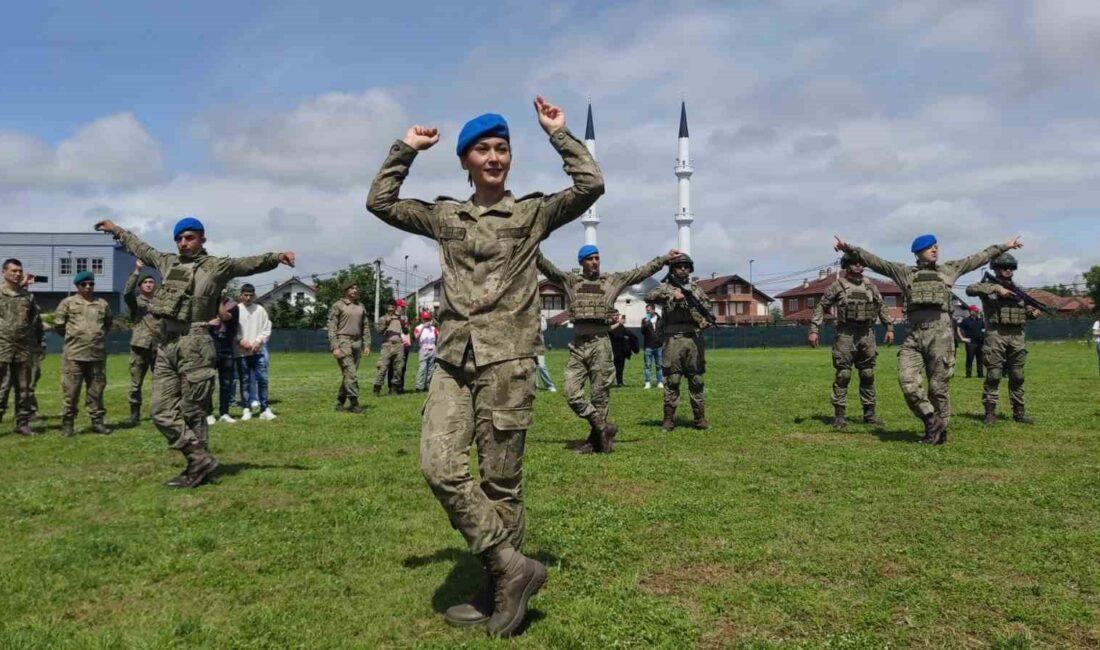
pixel 1067 33
pixel 748 135
pixel 287 221
pixel 113 151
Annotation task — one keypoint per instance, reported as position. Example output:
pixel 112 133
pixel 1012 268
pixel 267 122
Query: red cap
pixel 400 302
pixel 424 315
pixel 974 308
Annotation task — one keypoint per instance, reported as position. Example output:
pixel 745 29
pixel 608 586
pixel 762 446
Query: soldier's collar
pixel 505 206
pixel 197 257
pixel 18 291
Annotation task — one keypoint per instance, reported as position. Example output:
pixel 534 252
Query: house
pixel 427 297
pixel 735 302
pixel 54 258
pixel 1064 305
pixel 631 303
pixel 295 291
pixel 798 303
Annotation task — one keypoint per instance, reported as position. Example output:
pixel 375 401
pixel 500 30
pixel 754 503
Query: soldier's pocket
pixel 512 419
pixel 198 360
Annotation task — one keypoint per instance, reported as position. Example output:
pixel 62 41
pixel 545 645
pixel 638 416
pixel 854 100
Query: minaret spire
pixel 683 171
pixel 591 219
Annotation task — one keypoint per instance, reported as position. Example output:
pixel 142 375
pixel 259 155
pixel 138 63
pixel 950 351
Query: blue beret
pixel 482 126
pixel 923 242
pixel 83 276
pixel 585 251
pixel 187 223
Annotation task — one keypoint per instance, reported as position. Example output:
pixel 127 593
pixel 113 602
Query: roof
pixel 285 283
pixel 57 239
pixel 1061 303
pixel 817 287
pixel 710 284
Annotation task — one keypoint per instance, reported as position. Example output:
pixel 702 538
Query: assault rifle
pixel 692 301
pixel 1018 292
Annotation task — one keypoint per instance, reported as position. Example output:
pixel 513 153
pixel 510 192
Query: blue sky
pixel 878 121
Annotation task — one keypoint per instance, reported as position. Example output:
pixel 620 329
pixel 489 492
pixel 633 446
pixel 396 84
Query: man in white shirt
pixel 1096 338
pixel 253 331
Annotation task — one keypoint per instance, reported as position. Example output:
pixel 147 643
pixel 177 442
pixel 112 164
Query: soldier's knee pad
pixel 867 375
pixel 993 375
pixel 1016 377
pixel 843 376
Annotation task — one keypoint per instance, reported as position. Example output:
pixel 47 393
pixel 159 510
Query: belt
pixel 690 334
pixel 993 327
pixel 353 337
pixel 850 325
pixel 173 331
pixel 585 338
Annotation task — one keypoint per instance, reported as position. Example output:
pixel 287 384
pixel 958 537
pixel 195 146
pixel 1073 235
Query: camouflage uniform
pixel 591 302
pixel 20 339
pixel 930 345
pixel 1005 350
pixel 84 324
pixel 858 305
pixel 684 350
pixel 347 329
pixel 186 368
pixel 144 339
pixel 391 356
pixel 484 384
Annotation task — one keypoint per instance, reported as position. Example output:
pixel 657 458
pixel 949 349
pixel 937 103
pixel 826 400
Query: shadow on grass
pixel 897 436
pixel 232 469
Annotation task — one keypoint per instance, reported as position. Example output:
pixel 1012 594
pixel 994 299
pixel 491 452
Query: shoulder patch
pixel 452 232
pixel 442 198
pixel 532 195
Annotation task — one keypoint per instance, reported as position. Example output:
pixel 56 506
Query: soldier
pixel 391 356
pixel 930 345
pixel 858 304
pixel 84 321
pixel 1005 350
pixel 185 371
pixel 349 339
pixel 484 384
pixel 684 350
pixel 20 338
pixel 145 336
pixel 591 297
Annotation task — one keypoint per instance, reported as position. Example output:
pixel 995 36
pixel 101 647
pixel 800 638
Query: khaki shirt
pixel 392 326
pixel 346 318
pixel 679 317
pixel 147 327
pixel 20 325
pixel 835 296
pixel 949 272
pixel 487 254
pixel 84 324
pixel 211 276
pixel 611 283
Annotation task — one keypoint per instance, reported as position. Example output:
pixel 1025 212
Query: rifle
pixel 692 301
pixel 1018 292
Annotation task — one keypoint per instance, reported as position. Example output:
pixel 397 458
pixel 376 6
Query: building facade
pixel 735 302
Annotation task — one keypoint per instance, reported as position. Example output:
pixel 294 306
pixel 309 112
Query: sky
pixel 976 121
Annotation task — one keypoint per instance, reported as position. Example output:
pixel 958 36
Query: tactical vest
pixel 1007 312
pixel 858 307
pixel 173 297
pixel 588 302
pixel 929 291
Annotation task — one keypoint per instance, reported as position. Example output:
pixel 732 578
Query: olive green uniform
pixel 20 340
pixel 1005 349
pixel 391 354
pixel 858 305
pixel 84 324
pixel 930 345
pixel 483 388
pixel 591 302
pixel 144 337
pixel 347 329
pixel 186 368
pixel 684 348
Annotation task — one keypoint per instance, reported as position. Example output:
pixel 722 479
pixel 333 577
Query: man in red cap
pixel 391 358
pixel 425 335
pixel 972 334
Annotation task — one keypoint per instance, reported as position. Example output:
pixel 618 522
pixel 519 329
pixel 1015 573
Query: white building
pixel 295 291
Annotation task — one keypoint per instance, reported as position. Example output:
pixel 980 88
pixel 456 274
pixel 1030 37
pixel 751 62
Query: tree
pixel 331 290
pixel 285 315
pixel 1058 290
pixel 1092 281
pixel 777 316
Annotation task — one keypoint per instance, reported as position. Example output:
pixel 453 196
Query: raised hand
pixel 105 226
pixel 1014 243
pixel 286 258
pixel 551 118
pixel 139 265
pixel 840 245
pixel 421 137
pixel 672 255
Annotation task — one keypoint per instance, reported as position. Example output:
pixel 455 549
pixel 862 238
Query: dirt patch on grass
pixel 337 452
pixel 820 438
pixel 628 492
pixel 678 581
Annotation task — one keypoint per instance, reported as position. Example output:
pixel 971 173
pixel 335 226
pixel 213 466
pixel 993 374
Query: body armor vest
pixel 173 297
pixel 1007 312
pixel 929 291
pixel 858 306
pixel 588 302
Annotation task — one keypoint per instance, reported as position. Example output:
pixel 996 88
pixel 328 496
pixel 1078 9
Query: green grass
pixel 769 530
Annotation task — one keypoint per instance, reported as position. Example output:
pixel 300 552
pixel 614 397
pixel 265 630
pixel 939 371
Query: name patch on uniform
pixel 513 233
pixel 590 288
pixel 452 232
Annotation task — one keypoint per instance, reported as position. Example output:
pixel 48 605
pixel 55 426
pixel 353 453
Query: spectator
pixel 651 341
pixel 223 329
pixel 971 332
pixel 1096 338
pixel 544 380
pixel 623 345
pixel 253 330
pixel 425 334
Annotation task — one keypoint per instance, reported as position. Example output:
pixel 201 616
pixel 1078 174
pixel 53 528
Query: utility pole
pixel 752 301
pixel 377 288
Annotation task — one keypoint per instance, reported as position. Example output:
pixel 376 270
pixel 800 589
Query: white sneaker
pixel 227 418
pixel 255 405
pixel 552 389
pixel 660 384
pixel 267 414
pixel 247 414
pixel 210 420
pixel 646 386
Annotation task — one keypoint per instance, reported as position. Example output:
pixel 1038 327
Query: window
pixel 739 308
pixel 97 265
pixel 721 309
pixel 66 267
pixel 738 289
pixel 891 301
pixel 553 303
pixel 724 290
pixel 81 264
pixel 792 305
pixel 810 302
pixel 299 297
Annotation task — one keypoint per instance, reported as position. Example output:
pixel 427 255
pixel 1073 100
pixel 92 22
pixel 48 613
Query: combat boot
pixel 990 414
pixel 477 610
pixel 669 422
pixel 516 578
pixel 869 417
pixel 135 414
pixel 23 429
pixel 353 405
pixel 99 428
pixel 378 390
pixel 340 407
pixel 1021 416
pixel 200 464
pixel 934 429
pixel 700 417
pixel 592 444
pixel 67 428
pixel 607 438
pixel 838 418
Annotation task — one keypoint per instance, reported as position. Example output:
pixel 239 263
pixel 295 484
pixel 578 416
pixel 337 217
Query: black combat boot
pixel 67 428
pixel 869 416
pixel 135 414
pixel 592 444
pixel 990 414
pixel 200 465
pixel 99 428
pixel 516 578
pixel 838 418
pixel 669 422
pixel 478 610
pixel 607 438
pixel 353 405
pixel 1021 416
pixel 934 429
pixel 700 414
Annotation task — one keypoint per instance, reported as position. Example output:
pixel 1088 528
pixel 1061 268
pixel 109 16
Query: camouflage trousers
pixel 929 350
pixel 1005 354
pixel 142 361
pixel 490 407
pixel 854 347
pixel 20 375
pixel 391 361
pixel 184 377
pixel 6 384
pixel 684 356
pixel 76 374
pixel 590 360
pixel 352 348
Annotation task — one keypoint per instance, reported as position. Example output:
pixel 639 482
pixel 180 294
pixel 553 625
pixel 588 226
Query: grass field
pixel 769 530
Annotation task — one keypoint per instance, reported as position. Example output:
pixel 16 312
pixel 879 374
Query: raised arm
pixel 980 259
pixel 562 207
pixel 129 294
pixel 383 201
pixel 552 273
pixel 136 246
pixel 661 294
pixel 235 267
pixel 634 276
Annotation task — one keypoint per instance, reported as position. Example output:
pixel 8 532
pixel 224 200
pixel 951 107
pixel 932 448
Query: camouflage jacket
pixel 347 318
pixel 147 327
pixel 612 284
pixel 835 296
pixel 20 325
pixel 487 254
pixel 678 316
pixel 84 324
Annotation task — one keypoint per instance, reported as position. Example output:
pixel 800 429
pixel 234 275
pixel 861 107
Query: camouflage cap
pixel 1003 261
pixel 683 260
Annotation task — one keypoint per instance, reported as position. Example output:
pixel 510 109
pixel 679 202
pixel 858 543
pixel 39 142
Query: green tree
pixel 1092 281
pixel 1058 290
pixel 331 289
pixel 285 315
pixel 777 315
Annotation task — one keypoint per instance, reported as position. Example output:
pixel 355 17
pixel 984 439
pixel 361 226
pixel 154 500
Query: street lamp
pixel 406 275
pixel 416 292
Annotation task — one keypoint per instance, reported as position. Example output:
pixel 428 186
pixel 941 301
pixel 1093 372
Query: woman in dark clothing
pixel 623 345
